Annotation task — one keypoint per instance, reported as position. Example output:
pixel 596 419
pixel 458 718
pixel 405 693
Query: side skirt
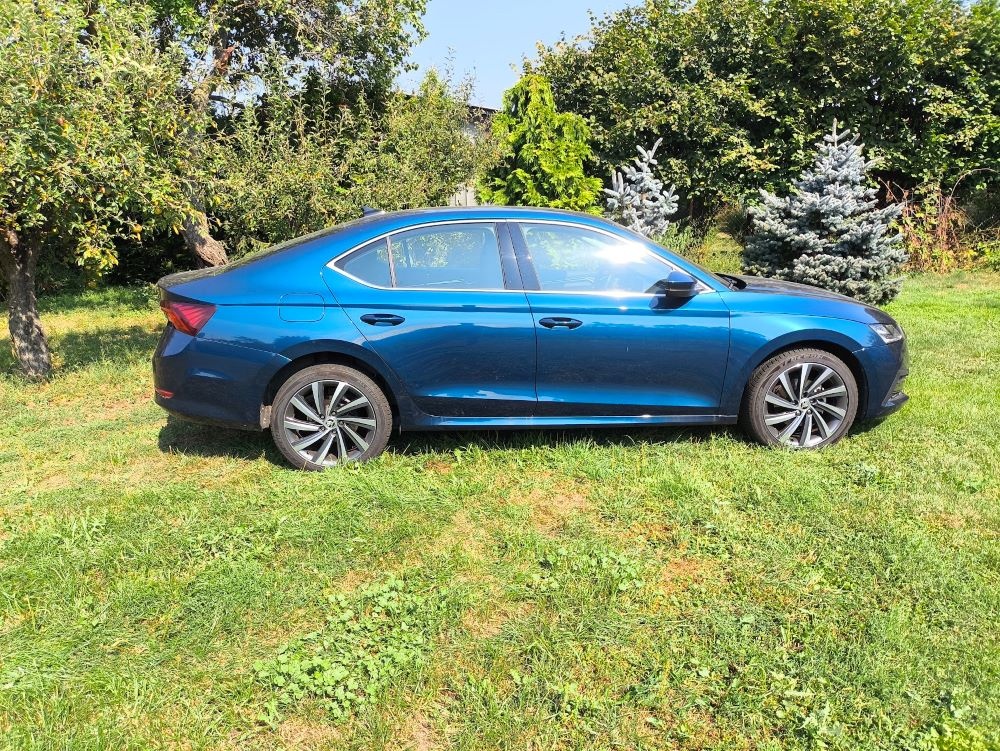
pixel 429 422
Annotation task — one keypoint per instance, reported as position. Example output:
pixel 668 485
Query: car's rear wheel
pixel 327 415
pixel 804 398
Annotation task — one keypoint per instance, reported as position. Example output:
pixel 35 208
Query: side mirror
pixel 677 285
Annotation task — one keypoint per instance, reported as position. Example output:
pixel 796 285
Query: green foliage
pixel 91 126
pixel 355 46
pixel 293 167
pixel 542 153
pixel 605 573
pixel 829 233
pixel 953 731
pixel 740 89
pixel 368 643
pixel 637 197
pixel 681 238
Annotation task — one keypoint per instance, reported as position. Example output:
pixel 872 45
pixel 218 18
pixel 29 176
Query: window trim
pixel 387 236
pixel 525 260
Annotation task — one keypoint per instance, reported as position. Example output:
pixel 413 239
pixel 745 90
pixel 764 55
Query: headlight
pixel 888 332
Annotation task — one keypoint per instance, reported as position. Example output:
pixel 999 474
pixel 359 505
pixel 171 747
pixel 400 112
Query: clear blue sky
pixel 489 38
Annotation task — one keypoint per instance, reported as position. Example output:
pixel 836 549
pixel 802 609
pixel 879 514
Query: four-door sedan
pixel 510 318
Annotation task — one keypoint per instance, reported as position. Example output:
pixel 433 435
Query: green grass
pixel 165 585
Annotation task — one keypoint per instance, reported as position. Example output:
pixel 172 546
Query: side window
pixel 576 259
pixel 451 256
pixel 369 264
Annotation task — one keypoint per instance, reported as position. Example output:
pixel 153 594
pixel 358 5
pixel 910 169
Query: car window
pixel 453 256
pixel 576 259
pixel 369 264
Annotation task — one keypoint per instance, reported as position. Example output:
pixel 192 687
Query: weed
pixel 368 643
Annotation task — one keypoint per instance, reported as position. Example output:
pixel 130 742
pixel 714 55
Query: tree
pixel 542 153
pixel 293 166
pixel 91 127
pixel 830 232
pixel 637 198
pixel 234 47
pixel 433 144
pixel 739 90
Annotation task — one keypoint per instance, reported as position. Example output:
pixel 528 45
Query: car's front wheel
pixel 804 398
pixel 327 415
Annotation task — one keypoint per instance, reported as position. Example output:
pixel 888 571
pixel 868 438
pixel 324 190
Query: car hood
pixel 761 284
pixel 807 297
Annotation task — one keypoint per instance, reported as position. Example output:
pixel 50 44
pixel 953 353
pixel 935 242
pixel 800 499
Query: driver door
pixel 607 344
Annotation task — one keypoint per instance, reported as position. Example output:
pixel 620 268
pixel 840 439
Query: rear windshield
pixel 256 255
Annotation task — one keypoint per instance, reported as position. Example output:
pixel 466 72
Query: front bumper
pixel 892 403
pixel 887 367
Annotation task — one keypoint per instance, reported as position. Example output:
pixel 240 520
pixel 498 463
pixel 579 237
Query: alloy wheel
pixel 329 422
pixel 805 404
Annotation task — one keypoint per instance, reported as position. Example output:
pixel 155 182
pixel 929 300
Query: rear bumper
pixel 212 382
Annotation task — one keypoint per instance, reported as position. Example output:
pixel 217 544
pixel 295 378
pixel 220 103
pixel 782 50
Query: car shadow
pixel 182 436
pixel 186 437
pixel 192 438
pixel 449 441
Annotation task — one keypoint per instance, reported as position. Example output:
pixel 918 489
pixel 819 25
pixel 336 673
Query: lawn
pixel 165 585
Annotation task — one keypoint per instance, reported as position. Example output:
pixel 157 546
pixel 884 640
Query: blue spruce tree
pixel 829 232
pixel 637 197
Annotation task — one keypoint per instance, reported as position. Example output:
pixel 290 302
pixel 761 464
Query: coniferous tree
pixel 829 232
pixel 542 153
pixel 637 198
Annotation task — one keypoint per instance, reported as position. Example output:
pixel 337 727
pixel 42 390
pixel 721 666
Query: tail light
pixel 187 317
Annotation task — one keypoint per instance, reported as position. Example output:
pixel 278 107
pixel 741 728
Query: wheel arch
pixel 354 357
pixel 838 349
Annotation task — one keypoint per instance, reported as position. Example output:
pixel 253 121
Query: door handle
pixel 382 319
pixel 560 322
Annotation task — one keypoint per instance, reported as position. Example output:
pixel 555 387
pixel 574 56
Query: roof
pixel 482 212
pixel 360 230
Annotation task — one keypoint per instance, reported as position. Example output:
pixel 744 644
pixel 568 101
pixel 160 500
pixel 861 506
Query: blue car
pixel 496 317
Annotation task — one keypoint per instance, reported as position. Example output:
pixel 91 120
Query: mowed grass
pixel 165 585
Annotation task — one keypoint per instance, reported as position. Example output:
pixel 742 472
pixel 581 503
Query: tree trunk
pixel 198 238
pixel 19 259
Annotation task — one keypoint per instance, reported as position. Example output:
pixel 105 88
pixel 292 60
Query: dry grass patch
pixel 418 734
pixel 308 734
pixel 439 467
pixel 464 535
pixel 488 621
pixel 553 502
pixel 681 572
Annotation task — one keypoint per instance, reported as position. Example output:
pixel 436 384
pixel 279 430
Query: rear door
pixel 606 344
pixel 443 306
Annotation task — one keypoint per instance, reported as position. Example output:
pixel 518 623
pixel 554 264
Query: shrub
pixel 943 235
pixel 542 153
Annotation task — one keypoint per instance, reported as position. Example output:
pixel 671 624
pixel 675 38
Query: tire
pixel 774 412
pixel 316 440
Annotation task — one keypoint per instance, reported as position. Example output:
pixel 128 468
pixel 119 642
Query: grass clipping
pixel 368 643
